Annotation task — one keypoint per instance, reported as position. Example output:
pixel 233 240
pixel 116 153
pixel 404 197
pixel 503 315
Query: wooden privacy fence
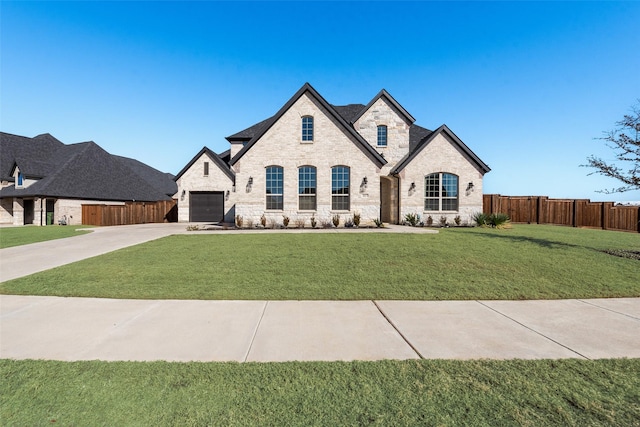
pixel 570 212
pixel 130 213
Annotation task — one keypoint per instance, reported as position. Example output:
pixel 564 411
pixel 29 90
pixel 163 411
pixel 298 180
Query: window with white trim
pixel 441 192
pixel 274 188
pixel 307 129
pixel 307 184
pixel 340 188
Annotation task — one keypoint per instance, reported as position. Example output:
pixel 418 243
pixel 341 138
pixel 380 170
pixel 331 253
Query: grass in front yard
pixel 526 262
pixel 426 392
pixel 17 236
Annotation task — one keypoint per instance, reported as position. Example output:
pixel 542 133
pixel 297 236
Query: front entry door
pixel 28 212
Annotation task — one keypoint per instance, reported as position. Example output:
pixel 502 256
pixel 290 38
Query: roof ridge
pixel 364 145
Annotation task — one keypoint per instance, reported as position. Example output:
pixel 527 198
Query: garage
pixel 206 206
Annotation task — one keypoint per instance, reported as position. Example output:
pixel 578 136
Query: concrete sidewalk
pixel 33 327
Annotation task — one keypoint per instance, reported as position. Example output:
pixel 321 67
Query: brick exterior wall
pixel 282 145
pixel 441 155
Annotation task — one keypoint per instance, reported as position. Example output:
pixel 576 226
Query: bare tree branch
pixel 624 140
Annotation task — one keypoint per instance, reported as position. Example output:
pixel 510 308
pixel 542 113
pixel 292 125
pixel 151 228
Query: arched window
pixel 441 192
pixel 307 184
pixel 274 188
pixel 307 128
pixel 382 136
pixel 340 188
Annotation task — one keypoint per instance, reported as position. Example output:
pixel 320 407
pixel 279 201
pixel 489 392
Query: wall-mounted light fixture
pixel 182 195
pixel 233 188
pixel 470 186
pixel 226 195
pixel 363 185
pixel 412 188
pixel 249 184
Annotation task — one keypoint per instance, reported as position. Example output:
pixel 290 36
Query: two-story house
pixel 314 159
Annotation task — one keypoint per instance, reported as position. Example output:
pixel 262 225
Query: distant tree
pixel 624 141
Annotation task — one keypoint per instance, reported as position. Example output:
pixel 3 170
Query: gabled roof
pixel 13 147
pixel 81 171
pixel 224 167
pixel 430 137
pixel 261 128
pixel 384 94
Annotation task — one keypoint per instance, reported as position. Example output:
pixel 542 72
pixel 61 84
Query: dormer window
pixel 382 136
pixel 307 129
pixel 20 179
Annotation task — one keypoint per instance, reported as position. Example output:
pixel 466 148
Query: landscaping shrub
pixel 499 220
pixel 412 219
pixel 481 219
pixel 356 219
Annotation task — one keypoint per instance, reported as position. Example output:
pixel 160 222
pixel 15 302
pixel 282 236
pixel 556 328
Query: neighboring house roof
pixel 80 171
pixel 256 131
pixel 430 137
pixel 13 147
pixel 217 159
pixel 159 180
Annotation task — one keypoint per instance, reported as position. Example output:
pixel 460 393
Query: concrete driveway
pixel 20 261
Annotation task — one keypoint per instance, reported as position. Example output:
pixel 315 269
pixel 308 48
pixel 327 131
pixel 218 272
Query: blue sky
pixel 526 85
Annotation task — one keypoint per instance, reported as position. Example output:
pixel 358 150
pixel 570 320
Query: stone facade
pixel 380 177
pixel 282 146
pixel 384 113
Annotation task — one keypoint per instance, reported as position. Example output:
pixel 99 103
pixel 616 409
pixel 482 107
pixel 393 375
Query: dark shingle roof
pixel 416 135
pixel 262 127
pixel 12 147
pixel 419 137
pixel 81 171
pixel 159 180
pixel 250 132
pixel 349 112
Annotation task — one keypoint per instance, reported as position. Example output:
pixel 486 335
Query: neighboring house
pixel 316 159
pixel 44 180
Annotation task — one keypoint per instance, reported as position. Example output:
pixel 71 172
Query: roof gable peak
pixel 307 88
pixel 390 99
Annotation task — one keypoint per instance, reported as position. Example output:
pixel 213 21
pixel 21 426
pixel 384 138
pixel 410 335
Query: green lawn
pixel 526 262
pixel 398 393
pixel 17 236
